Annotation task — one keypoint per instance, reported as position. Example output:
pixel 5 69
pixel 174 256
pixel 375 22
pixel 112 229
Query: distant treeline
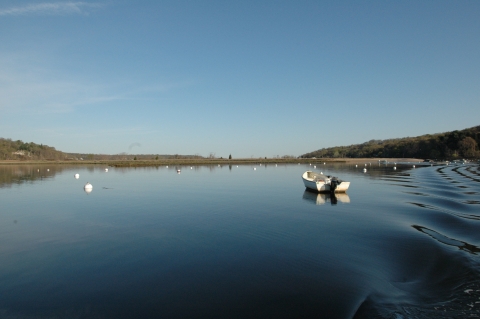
pixel 450 145
pixel 19 150
pixel 125 156
pixel 442 146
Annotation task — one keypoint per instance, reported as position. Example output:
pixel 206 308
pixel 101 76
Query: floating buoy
pixel 356 165
pixel 275 165
pixel 106 169
pixel 48 170
pixel 394 167
pixel 314 166
pixel 365 164
pixel 254 168
pixel 323 163
pixel 88 188
pixel 310 164
pixel 413 166
pixel 364 170
pixel 167 166
pixel 191 167
pixel 77 176
pixel 178 171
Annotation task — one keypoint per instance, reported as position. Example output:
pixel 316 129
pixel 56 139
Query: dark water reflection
pixel 236 242
pixel 322 198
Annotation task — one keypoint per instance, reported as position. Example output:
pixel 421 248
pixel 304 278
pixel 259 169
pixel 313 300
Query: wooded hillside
pixel 18 150
pixel 441 146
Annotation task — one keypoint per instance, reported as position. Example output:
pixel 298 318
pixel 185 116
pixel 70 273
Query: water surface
pixel 236 242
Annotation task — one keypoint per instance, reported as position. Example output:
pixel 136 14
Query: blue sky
pixel 247 78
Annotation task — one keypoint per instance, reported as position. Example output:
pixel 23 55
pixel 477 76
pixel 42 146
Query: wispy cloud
pixel 43 91
pixel 51 8
pixel 30 84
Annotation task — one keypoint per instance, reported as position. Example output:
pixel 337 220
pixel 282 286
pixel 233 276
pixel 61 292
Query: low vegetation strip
pixel 198 162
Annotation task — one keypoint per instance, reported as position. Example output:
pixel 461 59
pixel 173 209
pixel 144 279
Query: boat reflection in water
pixel 322 198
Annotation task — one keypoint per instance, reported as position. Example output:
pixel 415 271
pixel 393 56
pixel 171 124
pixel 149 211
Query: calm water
pixel 233 242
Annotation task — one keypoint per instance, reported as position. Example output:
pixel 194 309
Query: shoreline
pixel 196 162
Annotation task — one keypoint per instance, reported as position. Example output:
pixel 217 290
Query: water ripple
pixel 443 210
pixel 469 248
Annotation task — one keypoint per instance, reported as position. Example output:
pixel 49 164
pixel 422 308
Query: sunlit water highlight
pixel 217 242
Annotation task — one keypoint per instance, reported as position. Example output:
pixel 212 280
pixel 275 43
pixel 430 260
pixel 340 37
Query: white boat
pixel 323 183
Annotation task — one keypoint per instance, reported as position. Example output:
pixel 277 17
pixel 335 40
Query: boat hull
pixel 322 186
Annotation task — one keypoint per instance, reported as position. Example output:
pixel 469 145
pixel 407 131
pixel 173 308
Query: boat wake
pixel 445 208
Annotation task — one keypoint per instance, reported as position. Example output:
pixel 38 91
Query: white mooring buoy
pixel 77 176
pixel 88 188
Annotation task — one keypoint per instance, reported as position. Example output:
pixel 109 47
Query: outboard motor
pixel 333 185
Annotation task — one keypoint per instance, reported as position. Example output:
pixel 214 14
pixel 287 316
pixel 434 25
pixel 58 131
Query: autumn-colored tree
pixel 467 146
